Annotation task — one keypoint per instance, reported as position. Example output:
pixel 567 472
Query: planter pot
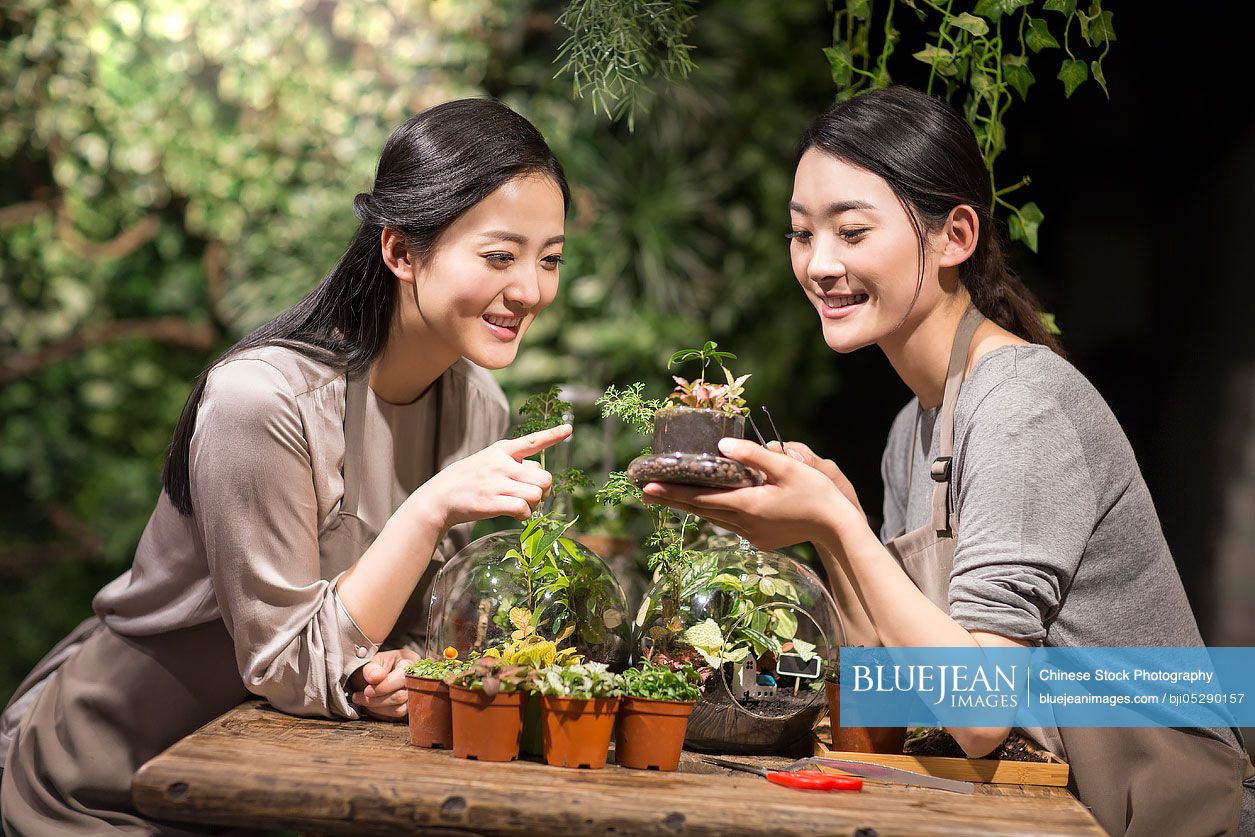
pixel 486 728
pixel 576 733
pixel 860 739
pixel 686 451
pixel 649 734
pixel 722 725
pixel 430 714
pixel 532 743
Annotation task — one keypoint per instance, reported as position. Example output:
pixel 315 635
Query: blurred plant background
pixel 177 171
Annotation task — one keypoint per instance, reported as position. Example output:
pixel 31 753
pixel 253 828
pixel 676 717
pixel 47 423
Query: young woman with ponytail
pixel 321 469
pixel 1014 512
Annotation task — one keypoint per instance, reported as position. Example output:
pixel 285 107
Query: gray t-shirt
pixel 1059 543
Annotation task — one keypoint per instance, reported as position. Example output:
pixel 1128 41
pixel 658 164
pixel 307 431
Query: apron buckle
pixel 940 470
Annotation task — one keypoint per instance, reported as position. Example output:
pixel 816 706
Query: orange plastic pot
pixel 650 733
pixel 860 739
pixel 430 714
pixel 486 728
pixel 576 733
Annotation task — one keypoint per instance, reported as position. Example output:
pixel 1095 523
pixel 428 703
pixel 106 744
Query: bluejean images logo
pixel 959 686
pixel 1041 687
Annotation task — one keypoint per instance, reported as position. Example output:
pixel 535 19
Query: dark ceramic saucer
pixel 699 469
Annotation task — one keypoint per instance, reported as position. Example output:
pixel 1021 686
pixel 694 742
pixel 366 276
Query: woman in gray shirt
pixel 317 469
pixel 1015 513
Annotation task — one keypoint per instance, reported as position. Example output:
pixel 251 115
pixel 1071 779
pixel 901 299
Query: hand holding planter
pixel 686 435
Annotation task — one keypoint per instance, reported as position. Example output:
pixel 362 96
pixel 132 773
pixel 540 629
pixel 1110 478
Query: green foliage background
pixel 176 172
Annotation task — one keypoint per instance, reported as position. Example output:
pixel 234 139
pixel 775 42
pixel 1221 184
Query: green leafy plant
pixel 614 48
pixel 980 61
pixel 724 398
pixel 755 611
pixel 707 638
pixel 630 406
pixel 759 606
pixel 706 355
pixel 727 398
pixel 491 676
pixel 432 669
pixel 527 647
pixel 585 681
pixel 559 592
pixel 541 411
pixel 981 58
pixel 660 682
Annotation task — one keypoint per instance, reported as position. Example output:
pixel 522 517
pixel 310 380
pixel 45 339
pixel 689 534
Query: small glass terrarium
pixel 532 596
pixel 760 626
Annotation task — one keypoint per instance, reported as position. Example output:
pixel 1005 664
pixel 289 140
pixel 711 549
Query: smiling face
pixel 493 270
pixel 855 253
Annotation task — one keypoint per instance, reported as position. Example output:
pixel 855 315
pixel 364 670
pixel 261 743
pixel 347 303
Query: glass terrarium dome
pixel 523 594
pixel 762 626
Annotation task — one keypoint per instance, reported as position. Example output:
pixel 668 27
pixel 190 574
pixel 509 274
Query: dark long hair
pixel 928 155
pixel 434 167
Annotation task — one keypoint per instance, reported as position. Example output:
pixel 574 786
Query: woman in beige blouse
pixel 317 468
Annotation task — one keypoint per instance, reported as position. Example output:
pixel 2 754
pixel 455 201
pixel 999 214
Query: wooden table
pixel 257 767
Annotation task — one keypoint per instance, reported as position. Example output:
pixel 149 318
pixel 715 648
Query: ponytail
pixel 999 294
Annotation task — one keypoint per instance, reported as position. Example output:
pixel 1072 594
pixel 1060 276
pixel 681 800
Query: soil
pixel 781 705
pixel 938 742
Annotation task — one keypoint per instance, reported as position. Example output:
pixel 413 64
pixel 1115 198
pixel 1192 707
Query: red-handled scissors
pixel 802 779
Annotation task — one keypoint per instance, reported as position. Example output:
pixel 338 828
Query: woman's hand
pixel 499 480
pixel 802 453
pixel 797 502
pixel 379 686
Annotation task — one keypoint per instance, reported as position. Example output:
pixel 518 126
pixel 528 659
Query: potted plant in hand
pixel 577 711
pixel 686 434
pixel 857 739
pixel 653 715
pixel 488 709
pixel 427 696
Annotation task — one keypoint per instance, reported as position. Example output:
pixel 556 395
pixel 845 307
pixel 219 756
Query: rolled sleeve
pixel 1026 507
pixel 256 513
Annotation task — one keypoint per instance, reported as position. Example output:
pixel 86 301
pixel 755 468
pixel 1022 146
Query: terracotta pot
pixel 486 728
pixel 431 718
pixel 860 739
pixel 650 733
pixel 576 733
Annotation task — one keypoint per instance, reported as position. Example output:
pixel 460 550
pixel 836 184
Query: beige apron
pixel 345 539
pixel 1135 780
pixel 116 701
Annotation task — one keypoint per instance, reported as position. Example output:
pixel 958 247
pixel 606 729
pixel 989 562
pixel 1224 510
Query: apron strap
pixel 435 437
pixel 941 470
pixel 354 437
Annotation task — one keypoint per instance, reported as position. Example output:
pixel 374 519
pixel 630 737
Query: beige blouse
pixel 268 539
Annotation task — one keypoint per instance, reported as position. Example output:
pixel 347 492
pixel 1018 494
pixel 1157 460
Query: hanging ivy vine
pixel 982 58
pixel 979 60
